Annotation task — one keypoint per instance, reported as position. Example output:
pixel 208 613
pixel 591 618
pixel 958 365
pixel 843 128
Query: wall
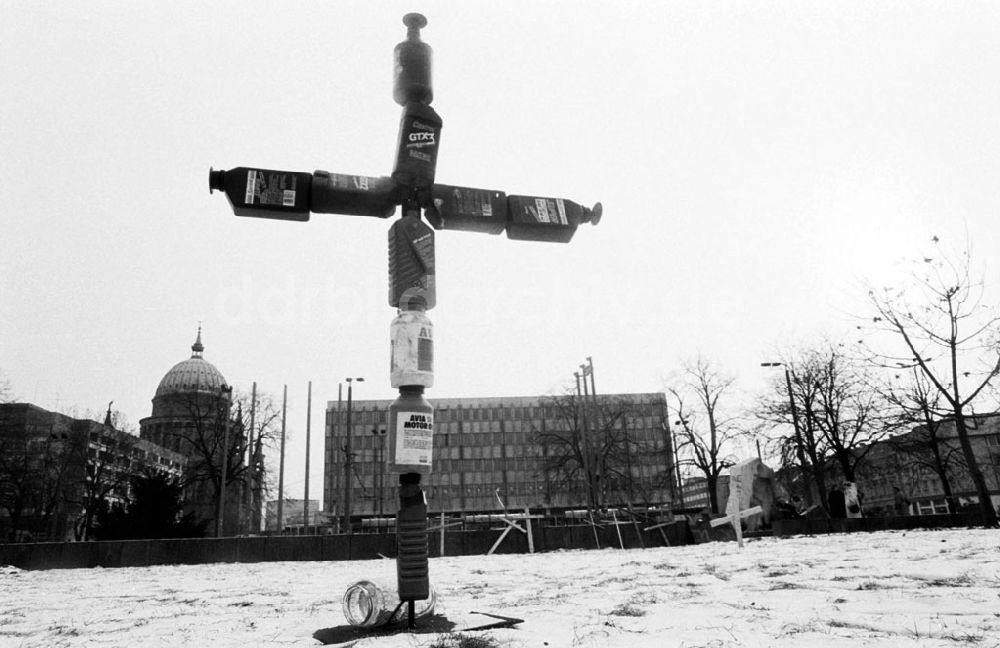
pixel 141 553
pixel 844 525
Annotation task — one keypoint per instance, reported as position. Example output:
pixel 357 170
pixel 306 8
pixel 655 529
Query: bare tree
pixel 40 467
pixel 924 442
pixel 850 412
pixel 938 324
pixel 260 417
pixel 841 413
pixel 108 476
pixel 207 434
pixel 706 434
pixel 595 455
pixel 795 401
pixel 17 475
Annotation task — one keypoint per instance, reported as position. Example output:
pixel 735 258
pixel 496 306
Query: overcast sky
pixel 757 161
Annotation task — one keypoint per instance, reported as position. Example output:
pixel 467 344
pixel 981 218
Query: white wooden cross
pixel 511 524
pixel 734 515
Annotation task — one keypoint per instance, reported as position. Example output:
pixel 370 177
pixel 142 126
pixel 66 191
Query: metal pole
pixel 281 463
pixel 672 445
pixel 378 467
pixel 248 485
pixel 593 389
pixel 596 421
pixel 305 505
pixel 593 456
pixel 220 510
pixel 806 477
pixel 584 445
pixel 348 457
pixel 628 459
pixel 338 428
pixel 349 460
pixel 799 445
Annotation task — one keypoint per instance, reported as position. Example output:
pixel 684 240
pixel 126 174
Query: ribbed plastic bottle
pixel 411 264
pixel 412 576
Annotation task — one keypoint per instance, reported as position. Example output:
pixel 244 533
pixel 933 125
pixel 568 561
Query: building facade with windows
pixel 513 452
pixel 55 470
pixel 696 492
pixel 907 461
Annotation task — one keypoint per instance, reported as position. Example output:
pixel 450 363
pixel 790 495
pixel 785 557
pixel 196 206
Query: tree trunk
pixel 985 503
pixel 712 481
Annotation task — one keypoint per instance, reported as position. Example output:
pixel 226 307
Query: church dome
pixel 193 375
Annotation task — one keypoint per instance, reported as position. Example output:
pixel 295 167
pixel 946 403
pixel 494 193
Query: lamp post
pixel 281 462
pixel 348 455
pixel 591 413
pixel 672 450
pixel 378 467
pixel 799 446
pixel 584 439
pixel 305 495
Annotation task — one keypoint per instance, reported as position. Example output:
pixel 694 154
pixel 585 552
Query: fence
pixel 850 525
pixel 188 551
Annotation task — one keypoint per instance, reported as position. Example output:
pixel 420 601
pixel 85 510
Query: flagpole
pixel 281 464
pixel 305 506
pixel 248 484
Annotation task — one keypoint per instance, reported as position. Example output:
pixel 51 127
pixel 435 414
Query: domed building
pixel 193 415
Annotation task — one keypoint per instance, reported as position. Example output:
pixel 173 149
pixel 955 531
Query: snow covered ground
pixel 915 588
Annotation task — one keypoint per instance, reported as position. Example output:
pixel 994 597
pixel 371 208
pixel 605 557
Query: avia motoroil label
pixel 271 188
pixel 414 438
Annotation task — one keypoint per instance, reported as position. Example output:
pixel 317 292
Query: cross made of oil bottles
pixel 290 195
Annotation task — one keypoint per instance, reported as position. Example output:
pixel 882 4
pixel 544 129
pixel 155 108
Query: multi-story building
pixel 293 513
pixel 907 461
pixel 512 452
pixel 55 470
pixel 695 491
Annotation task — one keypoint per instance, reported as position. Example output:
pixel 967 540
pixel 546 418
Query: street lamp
pixel 672 450
pixel 585 438
pixel 348 456
pixel 799 446
pixel 378 466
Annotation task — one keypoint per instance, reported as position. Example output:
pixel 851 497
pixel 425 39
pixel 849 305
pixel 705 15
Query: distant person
pixel 900 503
pixel 837 503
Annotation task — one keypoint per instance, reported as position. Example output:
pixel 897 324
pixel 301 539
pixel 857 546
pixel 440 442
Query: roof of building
pixel 498 401
pixel 194 375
